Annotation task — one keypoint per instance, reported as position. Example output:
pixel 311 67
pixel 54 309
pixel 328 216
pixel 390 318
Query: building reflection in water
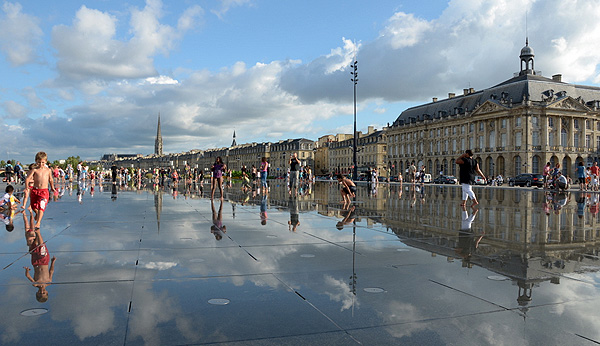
pixel 527 235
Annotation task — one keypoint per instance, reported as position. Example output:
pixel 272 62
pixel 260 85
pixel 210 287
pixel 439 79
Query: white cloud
pixel 89 50
pixel 226 5
pixel 160 80
pixel 404 30
pixel 19 34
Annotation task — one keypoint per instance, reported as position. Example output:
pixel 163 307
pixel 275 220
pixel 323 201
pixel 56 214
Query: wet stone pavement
pixel 401 265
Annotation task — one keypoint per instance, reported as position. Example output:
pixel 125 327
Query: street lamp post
pixel 354 79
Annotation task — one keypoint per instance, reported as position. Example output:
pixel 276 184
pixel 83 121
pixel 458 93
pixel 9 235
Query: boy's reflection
pixel 349 217
pixel 40 259
pixel 294 215
pixel 467 241
pixel 217 228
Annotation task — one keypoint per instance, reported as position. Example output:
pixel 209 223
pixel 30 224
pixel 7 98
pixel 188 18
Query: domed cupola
pixel 526 59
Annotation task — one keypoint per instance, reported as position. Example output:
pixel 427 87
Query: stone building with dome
pixel 513 127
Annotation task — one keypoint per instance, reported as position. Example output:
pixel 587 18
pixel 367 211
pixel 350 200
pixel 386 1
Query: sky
pixel 90 79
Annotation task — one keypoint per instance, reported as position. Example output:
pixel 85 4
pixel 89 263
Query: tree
pixel 73 160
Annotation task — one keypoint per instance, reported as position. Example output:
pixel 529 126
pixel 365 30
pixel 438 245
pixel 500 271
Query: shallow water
pixel 402 265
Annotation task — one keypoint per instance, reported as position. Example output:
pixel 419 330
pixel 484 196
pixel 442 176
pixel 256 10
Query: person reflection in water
pixel 40 259
pixel 349 217
pixel 263 210
pixel 467 241
pixel 217 228
pixel 113 193
pixel 294 215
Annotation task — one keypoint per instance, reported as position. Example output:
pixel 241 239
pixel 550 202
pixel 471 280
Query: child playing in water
pixel 40 177
pixel 9 201
pixel 348 188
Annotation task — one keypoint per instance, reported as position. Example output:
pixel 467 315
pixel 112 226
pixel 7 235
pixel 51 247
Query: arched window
pixel 517 165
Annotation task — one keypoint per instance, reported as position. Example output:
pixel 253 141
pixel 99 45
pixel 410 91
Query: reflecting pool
pixel 399 265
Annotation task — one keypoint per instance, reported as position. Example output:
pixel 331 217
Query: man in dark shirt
pixel 468 168
pixel 113 170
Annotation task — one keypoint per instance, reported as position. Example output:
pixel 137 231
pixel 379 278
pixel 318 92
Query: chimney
pixel 451 95
pixel 435 99
pixel 471 90
pixel 557 78
pixel 370 129
pixel 465 92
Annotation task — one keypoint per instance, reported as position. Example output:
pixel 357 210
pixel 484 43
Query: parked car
pixel 527 179
pixel 445 179
pixel 427 178
pixel 479 180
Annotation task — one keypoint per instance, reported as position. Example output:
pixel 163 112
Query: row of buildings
pixel 513 127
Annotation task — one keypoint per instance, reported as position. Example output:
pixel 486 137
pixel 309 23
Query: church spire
pixel 233 144
pixel 158 143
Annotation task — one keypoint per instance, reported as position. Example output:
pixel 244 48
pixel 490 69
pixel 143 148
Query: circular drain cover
pixel 307 255
pixel 218 301
pixel 197 260
pixel 34 312
pixel 374 290
pixel 497 277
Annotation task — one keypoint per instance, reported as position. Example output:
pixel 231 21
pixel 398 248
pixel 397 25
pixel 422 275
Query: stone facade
pixel 371 153
pixel 514 127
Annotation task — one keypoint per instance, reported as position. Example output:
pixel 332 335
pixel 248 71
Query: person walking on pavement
pixel 468 167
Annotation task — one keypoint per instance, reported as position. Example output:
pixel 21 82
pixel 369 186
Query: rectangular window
pixel 588 141
pixel 550 122
pixel 518 121
pixel 462 129
pixel 481 126
pixel 472 126
pixel 535 138
pixel 481 142
pixel 576 123
pixel 597 142
pixel 503 123
pixel 503 140
pixel 588 124
pixel 518 136
pixel 576 140
pixel 471 143
pixel 534 121
pixel 551 139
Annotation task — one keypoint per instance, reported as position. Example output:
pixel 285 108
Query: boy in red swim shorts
pixel 37 182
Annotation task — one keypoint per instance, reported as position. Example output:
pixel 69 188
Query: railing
pixel 537 147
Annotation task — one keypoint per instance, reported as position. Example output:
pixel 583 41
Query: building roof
pixel 523 87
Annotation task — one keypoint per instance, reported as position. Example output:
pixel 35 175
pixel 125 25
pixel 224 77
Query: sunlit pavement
pixel 141 266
